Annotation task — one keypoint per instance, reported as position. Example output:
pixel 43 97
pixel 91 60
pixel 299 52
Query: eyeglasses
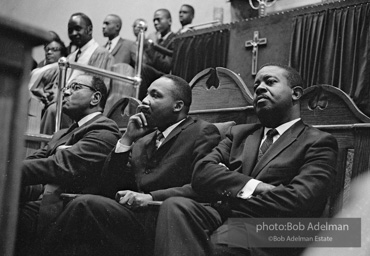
pixel 77 86
pixel 53 49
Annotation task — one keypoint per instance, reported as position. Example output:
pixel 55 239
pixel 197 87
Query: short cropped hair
pixel 167 12
pixel 84 17
pixel 182 92
pixel 98 83
pixel 118 18
pixel 292 75
pixel 191 8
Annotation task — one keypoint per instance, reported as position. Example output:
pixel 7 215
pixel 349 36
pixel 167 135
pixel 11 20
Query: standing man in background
pixel 88 52
pixel 186 16
pixel 136 26
pixel 159 51
pixel 123 50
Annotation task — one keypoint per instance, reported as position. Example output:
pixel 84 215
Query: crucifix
pixel 254 43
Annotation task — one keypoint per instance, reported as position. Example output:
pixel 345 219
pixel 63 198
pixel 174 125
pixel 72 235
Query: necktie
pixel 159 139
pixel 267 143
pixel 72 127
pixel 109 44
pixel 78 55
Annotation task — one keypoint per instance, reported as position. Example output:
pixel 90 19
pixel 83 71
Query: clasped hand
pixel 133 199
pixel 137 127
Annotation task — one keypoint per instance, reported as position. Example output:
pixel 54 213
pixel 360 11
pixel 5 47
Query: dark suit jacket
pixel 77 168
pixel 166 172
pixel 159 61
pixel 301 164
pixel 124 52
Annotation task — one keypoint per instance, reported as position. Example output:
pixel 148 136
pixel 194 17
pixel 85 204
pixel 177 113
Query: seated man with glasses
pixel 74 157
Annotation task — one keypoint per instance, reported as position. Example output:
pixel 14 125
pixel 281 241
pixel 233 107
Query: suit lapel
pixel 69 138
pixel 280 145
pixel 177 130
pixel 250 150
pixel 168 40
pixel 116 48
pixel 149 145
pixel 61 140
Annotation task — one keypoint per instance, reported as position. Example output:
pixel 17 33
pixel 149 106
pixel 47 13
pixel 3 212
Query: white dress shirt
pixel 113 43
pixel 86 52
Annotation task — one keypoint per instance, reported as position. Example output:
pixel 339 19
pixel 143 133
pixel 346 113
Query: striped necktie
pixel 159 139
pixel 267 143
pixel 108 45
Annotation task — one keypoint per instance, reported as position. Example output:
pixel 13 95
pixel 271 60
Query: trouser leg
pixel 94 225
pixel 183 228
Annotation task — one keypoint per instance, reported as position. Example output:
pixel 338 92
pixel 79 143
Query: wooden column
pixel 16 42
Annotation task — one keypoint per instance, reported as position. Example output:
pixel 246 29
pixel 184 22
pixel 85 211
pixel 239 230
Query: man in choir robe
pixel 186 16
pixel 159 50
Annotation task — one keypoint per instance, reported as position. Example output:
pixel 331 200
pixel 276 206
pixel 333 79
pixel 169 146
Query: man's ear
pixel 95 99
pixel 178 106
pixel 89 30
pixel 297 93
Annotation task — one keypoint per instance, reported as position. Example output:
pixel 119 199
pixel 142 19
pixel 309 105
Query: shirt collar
pixel 166 36
pixel 115 40
pixel 87 118
pixel 87 45
pixel 114 43
pixel 283 127
pixel 171 128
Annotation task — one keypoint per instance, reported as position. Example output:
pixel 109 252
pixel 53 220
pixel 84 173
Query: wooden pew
pixel 220 95
pixel 331 110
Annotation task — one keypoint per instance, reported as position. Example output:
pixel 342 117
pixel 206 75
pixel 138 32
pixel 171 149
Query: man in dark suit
pixel 159 50
pixel 123 50
pixel 74 157
pixel 153 161
pixel 291 178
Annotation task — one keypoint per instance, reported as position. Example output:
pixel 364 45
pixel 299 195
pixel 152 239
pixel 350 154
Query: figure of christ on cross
pixel 254 43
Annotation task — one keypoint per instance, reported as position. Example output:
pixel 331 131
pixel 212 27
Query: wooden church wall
pixel 277 29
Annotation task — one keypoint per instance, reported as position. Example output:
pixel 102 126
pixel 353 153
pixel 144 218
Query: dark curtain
pixel 332 47
pixel 193 54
